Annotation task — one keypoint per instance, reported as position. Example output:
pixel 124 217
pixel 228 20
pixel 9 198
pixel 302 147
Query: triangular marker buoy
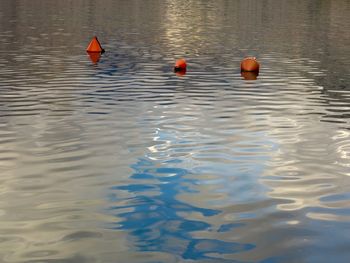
pixel 95 46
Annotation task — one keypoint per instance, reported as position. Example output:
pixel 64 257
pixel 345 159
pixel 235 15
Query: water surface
pixel 124 161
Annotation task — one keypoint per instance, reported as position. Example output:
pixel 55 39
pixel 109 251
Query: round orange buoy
pixel 250 64
pixel 180 65
pixel 95 46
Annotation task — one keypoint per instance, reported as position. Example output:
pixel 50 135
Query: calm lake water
pixel 124 161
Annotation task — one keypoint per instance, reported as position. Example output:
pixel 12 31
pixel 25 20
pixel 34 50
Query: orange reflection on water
pixel 249 75
pixel 94 57
pixel 180 72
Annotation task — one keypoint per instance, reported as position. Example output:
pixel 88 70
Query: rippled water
pixel 124 161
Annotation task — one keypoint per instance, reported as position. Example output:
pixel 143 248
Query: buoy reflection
pixel 180 72
pixel 94 57
pixel 250 75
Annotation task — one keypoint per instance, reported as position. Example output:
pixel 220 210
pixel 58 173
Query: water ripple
pixel 122 158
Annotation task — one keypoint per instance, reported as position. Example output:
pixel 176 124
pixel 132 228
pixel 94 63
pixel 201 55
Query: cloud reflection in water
pixel 158 221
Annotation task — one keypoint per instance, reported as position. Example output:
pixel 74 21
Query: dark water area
pixel 125 161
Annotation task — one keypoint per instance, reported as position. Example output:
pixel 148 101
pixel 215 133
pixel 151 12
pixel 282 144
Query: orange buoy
pixel 180 65
pixel 95 46
pixel 250 64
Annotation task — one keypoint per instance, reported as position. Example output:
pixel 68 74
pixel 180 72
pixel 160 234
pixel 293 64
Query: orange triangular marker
pixel 95 46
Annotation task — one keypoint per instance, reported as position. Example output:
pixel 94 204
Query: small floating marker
pixel 95 46
pixel 250 75
pixel 250 64
pixel 180 65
